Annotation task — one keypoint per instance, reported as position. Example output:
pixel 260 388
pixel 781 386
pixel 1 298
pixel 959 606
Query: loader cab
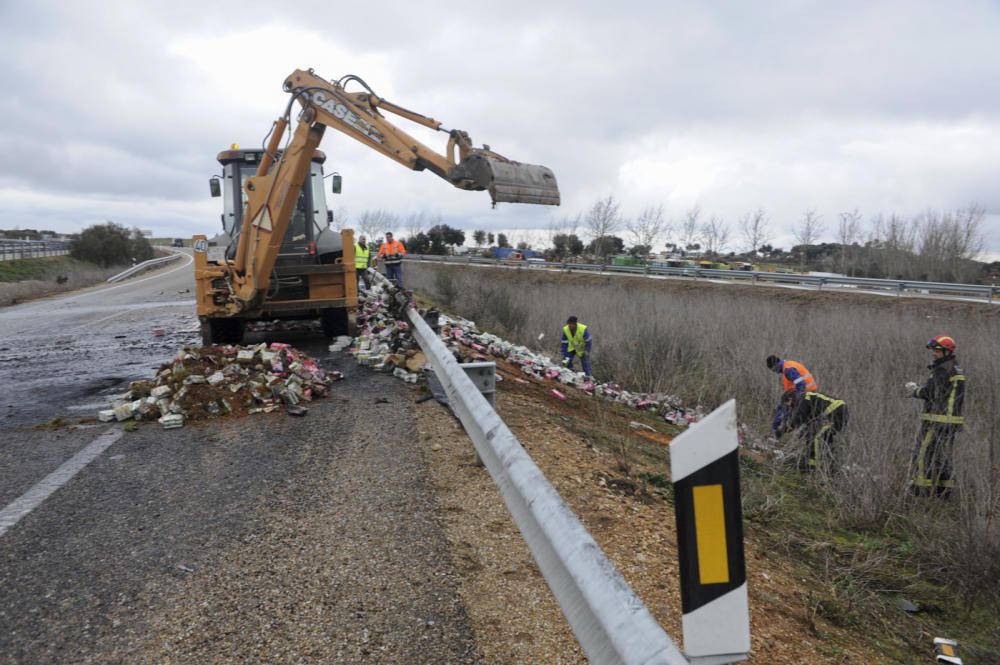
pixel 308 238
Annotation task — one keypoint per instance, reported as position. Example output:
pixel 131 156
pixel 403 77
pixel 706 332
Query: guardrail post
pixel 705 468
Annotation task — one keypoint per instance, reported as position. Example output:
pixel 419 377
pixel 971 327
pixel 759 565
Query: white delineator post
pixel 704 464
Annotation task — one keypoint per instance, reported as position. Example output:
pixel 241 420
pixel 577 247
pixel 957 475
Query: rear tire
pixel 334 321
pixel 221 331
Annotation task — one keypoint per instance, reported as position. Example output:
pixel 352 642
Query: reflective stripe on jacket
pixel 944 393
pixel 361 256
pixel 795 376
pixel 389 250
pixel 578 343
pixel 811 406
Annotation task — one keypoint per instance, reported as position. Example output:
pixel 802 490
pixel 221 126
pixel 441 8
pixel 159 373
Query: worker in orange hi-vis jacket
pixel 794 375
pixel 391 252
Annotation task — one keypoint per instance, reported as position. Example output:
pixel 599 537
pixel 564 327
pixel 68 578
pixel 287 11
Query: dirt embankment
pixel 28 279
pixel 616 482
pixel 828 557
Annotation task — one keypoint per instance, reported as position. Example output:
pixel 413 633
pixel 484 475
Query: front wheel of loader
pixel 221 331
pixel 334 321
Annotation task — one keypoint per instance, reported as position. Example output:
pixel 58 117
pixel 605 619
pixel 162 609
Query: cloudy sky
pixel 116 110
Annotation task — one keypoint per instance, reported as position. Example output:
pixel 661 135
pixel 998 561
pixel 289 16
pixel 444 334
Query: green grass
pixel 42 268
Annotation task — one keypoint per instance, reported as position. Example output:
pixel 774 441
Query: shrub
pixel 110 244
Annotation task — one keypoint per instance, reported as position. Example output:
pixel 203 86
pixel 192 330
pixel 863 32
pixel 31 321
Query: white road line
pixel 31 499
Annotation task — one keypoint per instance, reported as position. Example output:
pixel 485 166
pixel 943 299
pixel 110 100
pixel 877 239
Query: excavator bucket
pixel 507 182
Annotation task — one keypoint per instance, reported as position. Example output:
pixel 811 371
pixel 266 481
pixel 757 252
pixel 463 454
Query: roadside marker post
pixel 704 464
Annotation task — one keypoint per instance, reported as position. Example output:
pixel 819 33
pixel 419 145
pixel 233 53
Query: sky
pixel 117 110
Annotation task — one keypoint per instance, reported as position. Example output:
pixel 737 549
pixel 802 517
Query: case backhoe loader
pixel 283 260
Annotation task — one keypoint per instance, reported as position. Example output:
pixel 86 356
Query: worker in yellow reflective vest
pixel 821 417
pixel 941 420
pixel 362 259
pixel 576 343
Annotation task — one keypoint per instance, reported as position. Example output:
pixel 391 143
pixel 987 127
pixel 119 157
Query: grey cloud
pixel 101 107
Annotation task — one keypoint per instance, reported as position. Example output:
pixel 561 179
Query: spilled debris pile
pixel 280 325
pixel 541 368
pixel 385 344
pixel 217 381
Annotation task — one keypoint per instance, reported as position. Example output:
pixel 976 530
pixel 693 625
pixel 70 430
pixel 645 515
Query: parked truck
pixel 282 258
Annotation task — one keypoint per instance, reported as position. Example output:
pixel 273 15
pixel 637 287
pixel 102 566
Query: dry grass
pixel 707 343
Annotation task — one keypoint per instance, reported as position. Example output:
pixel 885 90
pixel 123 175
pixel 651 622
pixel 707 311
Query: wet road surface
pixel 60 356
pixel 267 539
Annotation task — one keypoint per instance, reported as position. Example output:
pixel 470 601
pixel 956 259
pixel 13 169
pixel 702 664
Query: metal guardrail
pixel 610 622
pixel 11 250
pixel 142 267
pixel 897 287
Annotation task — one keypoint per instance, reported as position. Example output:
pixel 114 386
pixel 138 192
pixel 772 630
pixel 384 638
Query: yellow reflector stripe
pixel 710 532
pixel 947 650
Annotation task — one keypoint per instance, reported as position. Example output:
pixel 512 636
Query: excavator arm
pixel 273 192
pixel 358 115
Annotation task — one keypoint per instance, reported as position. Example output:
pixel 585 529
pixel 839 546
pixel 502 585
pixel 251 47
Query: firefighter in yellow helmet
pixel 941 420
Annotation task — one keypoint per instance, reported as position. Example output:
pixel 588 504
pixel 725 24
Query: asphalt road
pixel 269 539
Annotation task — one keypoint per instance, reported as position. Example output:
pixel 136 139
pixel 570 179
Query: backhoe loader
pixel 282 258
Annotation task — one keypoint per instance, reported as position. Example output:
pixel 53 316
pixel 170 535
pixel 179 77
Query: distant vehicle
pixel 178 242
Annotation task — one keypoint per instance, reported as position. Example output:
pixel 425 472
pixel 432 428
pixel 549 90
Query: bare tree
pixel 341 219
pixel 891 242
pixel 753 227
pixel 418 222
pixel 648 226
pixel 690 227
pixel 810 228
pixel 564 226
pixel 848 232
pixel 374 223
pixel 968 233
pixel 603 218
pixel 949 243
pixel 715 234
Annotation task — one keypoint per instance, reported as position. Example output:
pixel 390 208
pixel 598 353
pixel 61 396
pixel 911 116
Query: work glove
pixel 565 361
pixel 911 388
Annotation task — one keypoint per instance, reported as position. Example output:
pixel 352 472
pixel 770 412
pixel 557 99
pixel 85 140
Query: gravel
pixel 269 539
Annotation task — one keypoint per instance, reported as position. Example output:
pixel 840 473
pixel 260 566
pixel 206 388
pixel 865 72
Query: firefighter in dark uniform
pixel 821 418
pixel 941 420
